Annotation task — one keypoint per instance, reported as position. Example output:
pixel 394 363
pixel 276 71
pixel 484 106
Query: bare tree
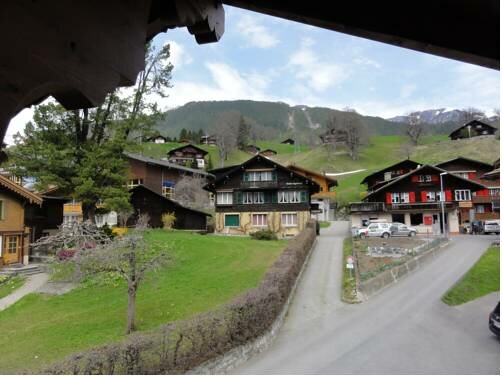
pixel 356 132
pixel 131 256
pixel 471 113
pixel 189 192
pixel 226 130
pixel 415 128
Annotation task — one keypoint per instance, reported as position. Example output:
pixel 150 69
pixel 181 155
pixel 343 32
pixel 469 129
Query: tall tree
pixel 415 128
pixel 225 130
pixel 81 151
pixel 243 133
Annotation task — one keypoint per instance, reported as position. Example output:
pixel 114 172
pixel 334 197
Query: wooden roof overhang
pixel 20 191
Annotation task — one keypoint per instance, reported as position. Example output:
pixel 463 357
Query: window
pixel 259 176
pixel 462 195
pixel 480 209
pixel 433 196
pixel 247 198
pixel 405 197
pixel 134 182
pixel 12 244
pixel 492 192
pixel 259 219
pixel 231 220
pixel 167 191
pixel 395 197
pixel 416 219
pixel 282 197
pixel 291 196
pixel 2 210
pixel 224 198
pixel 258 198
pixel 289 219
pixel 425 178
pixel 463 175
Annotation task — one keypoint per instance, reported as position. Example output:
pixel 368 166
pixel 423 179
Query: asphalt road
pixel 405 329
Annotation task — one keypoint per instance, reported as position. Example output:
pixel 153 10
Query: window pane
pixel 231 220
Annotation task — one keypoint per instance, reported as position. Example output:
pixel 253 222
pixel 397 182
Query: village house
pixel 157 139
pixel 45 219
pixel 335 137
pixel 288 141
pixel 188 155
pixel 261 194
pixel 413 198
pixel 208 140
pixel 485 203
pixel 268 152
pixel 253 149
pixel 324 202
pixel 14 234
pixel 474 128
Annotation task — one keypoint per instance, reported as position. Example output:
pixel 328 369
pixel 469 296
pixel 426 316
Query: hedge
pixel 181 346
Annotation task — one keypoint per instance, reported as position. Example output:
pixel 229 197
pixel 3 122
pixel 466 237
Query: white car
pixel 492 226
pixel 378 230
pixel 400 229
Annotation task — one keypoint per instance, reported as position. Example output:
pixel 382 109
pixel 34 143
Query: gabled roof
pixel 288 140
pixel 331 181
pixel 469 160
pixel 268 150
pixel 365 180
pixel 475 121
pixel 394 181
pixel 222 171
pixel 236 168
pixel 186 146
pixel 166 164
pixel 20 190
pixel 162 197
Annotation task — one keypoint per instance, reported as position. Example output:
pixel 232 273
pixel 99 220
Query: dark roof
pixel 288 140
pixel 469 160
pixel 269 150
pixel 156 137
pixel 475 121
pixel 166 164
pixel 222 171
pixel 175 203
pixel 388 168
pixel 188 145
pixel 394 181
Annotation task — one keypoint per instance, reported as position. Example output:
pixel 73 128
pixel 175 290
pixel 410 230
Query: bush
pixel 265 234
pixel 168 220
pixel 181 346
pixel 65 254
pixel 107 231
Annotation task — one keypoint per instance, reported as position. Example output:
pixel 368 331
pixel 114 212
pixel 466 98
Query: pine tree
pixel 183 134
pixel 242 134
pixel 209 163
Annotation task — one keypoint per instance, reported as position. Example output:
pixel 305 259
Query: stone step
pixel 21 270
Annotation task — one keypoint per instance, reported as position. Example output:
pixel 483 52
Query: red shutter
pixel 427 220
pixel 435 178
pixel 414 178
pixel 471 175
pixel 486 192
pixel 412 197
pixel 447 195
pixel 388 198
pixel 423 196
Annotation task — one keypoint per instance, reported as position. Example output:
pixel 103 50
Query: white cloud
pixel 407 90
pixel 367 62
pixel 178 55
pixel 17 124
pixel 256 34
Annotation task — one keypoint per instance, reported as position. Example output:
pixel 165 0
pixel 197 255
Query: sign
pixel 350 266
pixel 465 204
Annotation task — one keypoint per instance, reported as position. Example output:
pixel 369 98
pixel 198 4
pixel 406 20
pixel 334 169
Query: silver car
pixel 492 226
pixel 378 230
pixel 400 229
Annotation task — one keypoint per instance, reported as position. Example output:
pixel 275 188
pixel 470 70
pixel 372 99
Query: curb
pixel 237 356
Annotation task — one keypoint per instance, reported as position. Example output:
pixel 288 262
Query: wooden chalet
pixel 45 219
pixel 208 140
pixel 157 139
pixel 413 198
pixel 384 176
pixel 253 149
pixel 474 128
pixel 261 194
pixel 14 234
pixel 288 141
pixel 334 137
pixel 187 155
pixel 146 201
pixel 268 152
pixel 324 202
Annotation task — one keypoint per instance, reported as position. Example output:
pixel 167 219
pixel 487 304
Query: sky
pixel 265 58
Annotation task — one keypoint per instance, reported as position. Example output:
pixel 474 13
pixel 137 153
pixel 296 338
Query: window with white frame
pixel 259 219
pixel 494 191
pixel 464 175
pixel 247 197
pixel 259 176
pixel 462 195
pixel 480 209
pixel 289 196
pixel 289 219
pixel 167 191
pixel 134 182
pixel 395 197
pixel 258 197
pixel 405 197
pixel 224 197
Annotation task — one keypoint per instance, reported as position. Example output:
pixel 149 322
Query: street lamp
pixel 442 201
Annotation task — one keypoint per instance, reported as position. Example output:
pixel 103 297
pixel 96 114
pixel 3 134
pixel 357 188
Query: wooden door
pixel 11 249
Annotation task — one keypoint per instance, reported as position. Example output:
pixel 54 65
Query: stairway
pixel 21 269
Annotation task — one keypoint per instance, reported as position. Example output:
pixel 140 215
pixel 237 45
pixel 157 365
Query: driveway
pixel 405 329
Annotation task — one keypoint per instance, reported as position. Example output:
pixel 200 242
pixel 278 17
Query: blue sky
pixel 265 58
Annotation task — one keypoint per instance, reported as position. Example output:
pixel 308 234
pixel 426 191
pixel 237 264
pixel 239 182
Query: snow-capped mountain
pixel 434 116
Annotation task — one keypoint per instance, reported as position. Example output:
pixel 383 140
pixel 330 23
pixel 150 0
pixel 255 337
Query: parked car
pixel 378 230
pixel 400 229
pixel 492 226
pixel 361 232
pixel 494 320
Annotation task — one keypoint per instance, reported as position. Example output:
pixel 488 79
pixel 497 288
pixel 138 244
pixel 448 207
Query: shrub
pixel 181 346
pixel 65 254
pixel 107 231
pixel 168 220
pixel 265 234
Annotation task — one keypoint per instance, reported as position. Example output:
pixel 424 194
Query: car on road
pixel 494 320
pixel 378 230
pixel 491 226
pixel 360 232
pixel 400 229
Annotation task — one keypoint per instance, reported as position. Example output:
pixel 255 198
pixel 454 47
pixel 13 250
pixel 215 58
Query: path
pixel 32 284
pixel 406 329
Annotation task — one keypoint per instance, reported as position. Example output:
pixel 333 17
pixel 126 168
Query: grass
pixel 481 279
pixel 11 285
pixel 208 271
pixel 349 293
pixel 324 224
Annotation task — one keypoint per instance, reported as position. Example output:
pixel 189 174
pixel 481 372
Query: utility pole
pixel 442 202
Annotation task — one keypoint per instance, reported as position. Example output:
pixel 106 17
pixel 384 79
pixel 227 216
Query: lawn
pixel 207 271
pixel 11 285
pixel 482 278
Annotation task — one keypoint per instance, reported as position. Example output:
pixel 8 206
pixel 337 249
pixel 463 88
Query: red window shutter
pixel 414 178
pixel 388 198
pixel 471 175
pixel 423 196
pixel 427 220
pixel 412 197
pixel 447 195
pixel 487 192
pixel 435 178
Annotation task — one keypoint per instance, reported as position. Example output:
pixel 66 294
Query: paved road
pixel 32 284
pixel 405 329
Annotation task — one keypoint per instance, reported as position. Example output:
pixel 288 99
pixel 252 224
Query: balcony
pixel 259 185
pixel 432 206
pixel 367 207
pixel 485 199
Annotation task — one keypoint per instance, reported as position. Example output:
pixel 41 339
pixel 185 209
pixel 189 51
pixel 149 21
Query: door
pixel 11 249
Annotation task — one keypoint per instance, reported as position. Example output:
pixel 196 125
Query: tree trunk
pixel 89 212
pixel 131 307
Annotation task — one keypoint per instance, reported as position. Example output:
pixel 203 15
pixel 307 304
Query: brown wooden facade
pixel 187 155
pixel 474 128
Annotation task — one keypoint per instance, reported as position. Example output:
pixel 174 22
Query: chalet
pixel 268 152
pixel 413 198
pixel 14 234
pixel 261 194
pixel 146 201
pixel 288 141
pixel 208 140
pixel 485 203
pixel 187 155
pixel 157 139
pixel 323 203
pixel 253 149
pixel 45 219
pixel 384 176
pixel 473 128
pixel 334 137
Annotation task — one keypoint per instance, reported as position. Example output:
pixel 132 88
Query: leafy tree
pixel 81 151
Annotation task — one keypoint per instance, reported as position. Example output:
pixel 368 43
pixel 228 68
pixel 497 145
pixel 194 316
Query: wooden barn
pixel 474 128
